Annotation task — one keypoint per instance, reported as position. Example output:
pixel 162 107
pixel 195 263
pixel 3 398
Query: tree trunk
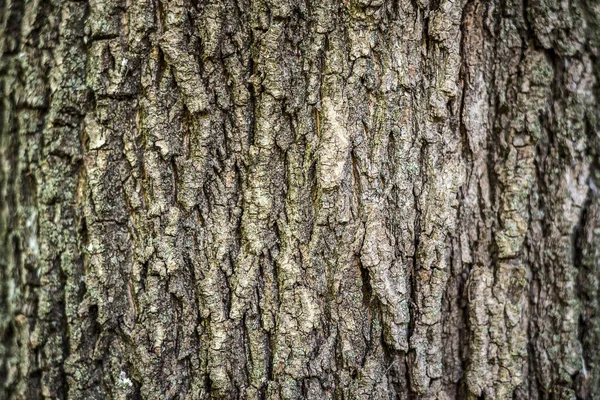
pixel 299 199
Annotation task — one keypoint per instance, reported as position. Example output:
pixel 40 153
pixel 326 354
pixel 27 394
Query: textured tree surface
pixel 299 199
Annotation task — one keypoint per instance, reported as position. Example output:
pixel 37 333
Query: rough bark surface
pixel 299 199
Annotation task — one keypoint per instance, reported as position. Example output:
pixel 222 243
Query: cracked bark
pixel 299 199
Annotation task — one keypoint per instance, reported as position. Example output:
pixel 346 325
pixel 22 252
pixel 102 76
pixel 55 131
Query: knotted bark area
pixel 299 199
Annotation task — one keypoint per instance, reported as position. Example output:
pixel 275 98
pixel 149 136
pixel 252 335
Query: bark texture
pixel 299 199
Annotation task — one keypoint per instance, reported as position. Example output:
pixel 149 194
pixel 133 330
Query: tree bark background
pixel 299 199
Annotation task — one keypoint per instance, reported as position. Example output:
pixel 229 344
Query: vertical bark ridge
pixel 298 199
pixel 46 77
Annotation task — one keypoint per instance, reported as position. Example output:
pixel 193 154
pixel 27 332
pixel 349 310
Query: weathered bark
pixel 299 199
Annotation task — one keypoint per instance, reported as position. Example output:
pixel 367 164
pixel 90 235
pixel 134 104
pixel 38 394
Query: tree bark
pixel 299 199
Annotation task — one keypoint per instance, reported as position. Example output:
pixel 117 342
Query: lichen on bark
pixel 291 199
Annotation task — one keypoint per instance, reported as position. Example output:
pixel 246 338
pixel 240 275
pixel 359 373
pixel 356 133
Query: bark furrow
pixel 298 199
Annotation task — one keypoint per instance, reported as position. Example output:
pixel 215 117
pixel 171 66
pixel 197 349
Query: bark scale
pixel 298 199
